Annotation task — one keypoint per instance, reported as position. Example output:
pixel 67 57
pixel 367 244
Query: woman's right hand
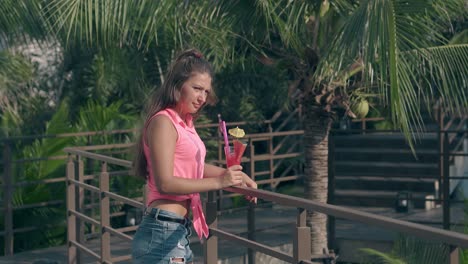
pixel 232 176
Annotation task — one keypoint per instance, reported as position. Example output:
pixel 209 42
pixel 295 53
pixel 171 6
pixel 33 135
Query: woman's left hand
pixel 248 182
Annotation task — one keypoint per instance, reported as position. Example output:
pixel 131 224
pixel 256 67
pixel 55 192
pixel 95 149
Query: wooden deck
pixel 275 228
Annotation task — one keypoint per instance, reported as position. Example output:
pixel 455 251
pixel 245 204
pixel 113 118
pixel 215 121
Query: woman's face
pixel 194 93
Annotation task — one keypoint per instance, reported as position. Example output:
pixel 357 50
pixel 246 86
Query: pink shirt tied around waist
pixel 189 161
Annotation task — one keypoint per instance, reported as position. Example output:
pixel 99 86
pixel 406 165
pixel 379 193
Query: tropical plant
pixel 333 49
pixel 328 50
pixel 48 220
pixel 409 250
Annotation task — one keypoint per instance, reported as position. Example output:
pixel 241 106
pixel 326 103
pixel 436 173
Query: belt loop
pixel 156 213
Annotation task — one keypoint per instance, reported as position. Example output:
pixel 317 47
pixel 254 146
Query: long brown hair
pixel 186 63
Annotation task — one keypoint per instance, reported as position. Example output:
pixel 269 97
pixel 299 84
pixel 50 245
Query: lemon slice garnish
pixel 236 132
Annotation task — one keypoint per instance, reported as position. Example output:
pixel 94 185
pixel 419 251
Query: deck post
pixel 301 241
pixel 331 191
pixel 71 206
pixel 105 214
pixel 210 247
pixel 251 208
pixel 79 200
pixel 7 199
pixel 446 183
pixel 454 255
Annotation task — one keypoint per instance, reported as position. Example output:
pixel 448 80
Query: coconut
pixel 360 108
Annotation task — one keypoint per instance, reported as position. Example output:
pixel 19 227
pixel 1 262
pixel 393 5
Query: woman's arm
pixel 161 138
pixel 215 171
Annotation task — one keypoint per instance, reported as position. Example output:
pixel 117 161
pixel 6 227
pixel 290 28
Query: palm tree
pixel 331 51
pixel 339 50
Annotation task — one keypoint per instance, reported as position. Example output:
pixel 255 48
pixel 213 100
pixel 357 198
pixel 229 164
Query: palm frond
pixel 103 23
pixel 414 250
pixel 444 71
pixel 395 40
pixel 20 20
pixel 382 258
pixel 287 19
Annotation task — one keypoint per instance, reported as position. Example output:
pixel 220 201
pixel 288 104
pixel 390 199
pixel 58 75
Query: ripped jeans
pixel 162 238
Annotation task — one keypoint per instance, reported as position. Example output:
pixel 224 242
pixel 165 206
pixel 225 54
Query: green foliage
pixel 49 220
pixel 15 71
pixel 381 257
pixel 95 116
pixel 411 251
pixel 119 50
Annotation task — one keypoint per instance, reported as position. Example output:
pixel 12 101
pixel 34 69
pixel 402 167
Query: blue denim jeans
pixel 162 241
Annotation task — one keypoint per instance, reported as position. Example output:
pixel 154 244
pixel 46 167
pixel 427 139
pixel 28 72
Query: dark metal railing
pixel 301 238
pixel 10 160
pixel 268 177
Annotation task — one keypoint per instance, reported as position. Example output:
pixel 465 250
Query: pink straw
pixel 222 127
pixel 226 142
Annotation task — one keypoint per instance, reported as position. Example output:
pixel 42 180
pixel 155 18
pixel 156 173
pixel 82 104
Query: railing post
pixel 93 195
pixel 210 247
pixel 71 206
pixel 251 209
pixel 454 255
pixel 273 185
pixel 7 199
pixel 79 205
pixel 104 203
pixel 446 183
pixel 251 231
pixel 331 190
pixel 440 117
pixel 301 241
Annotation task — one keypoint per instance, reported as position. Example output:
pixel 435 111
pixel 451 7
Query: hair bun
pixel 197 54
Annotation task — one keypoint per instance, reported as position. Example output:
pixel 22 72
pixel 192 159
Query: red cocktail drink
pixel 234 153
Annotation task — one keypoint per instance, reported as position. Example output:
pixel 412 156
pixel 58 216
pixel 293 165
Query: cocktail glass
pixel 234 153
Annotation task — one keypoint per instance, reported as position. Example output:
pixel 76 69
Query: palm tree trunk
pixel 317 123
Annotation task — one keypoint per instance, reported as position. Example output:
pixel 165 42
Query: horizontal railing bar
pixel 76 134
pixel 253 245
pixel 85 217
pixel 85 186
pixel 111 173
pixel 216 125
pixel 108 146
pixel 121 258
pixel 29 229
pixel 60 157
pixel 29 206
pixel 276 180
pixel 127 229
pixel 430 233
pixel 358 131
pixel 28 183
pixel 95 205
pixel 117 233
pixel 264 157
pixel 85 249
pixel 274 134
pixel 124 199
pixel 99 157
pixel 261 173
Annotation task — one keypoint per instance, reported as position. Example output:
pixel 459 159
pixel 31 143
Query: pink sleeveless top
pixel 189 161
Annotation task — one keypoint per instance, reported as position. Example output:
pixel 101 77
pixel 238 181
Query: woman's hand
pixel 232 176
pixel 248 182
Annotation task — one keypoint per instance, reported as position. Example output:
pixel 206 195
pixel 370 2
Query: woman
pixel 171 157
